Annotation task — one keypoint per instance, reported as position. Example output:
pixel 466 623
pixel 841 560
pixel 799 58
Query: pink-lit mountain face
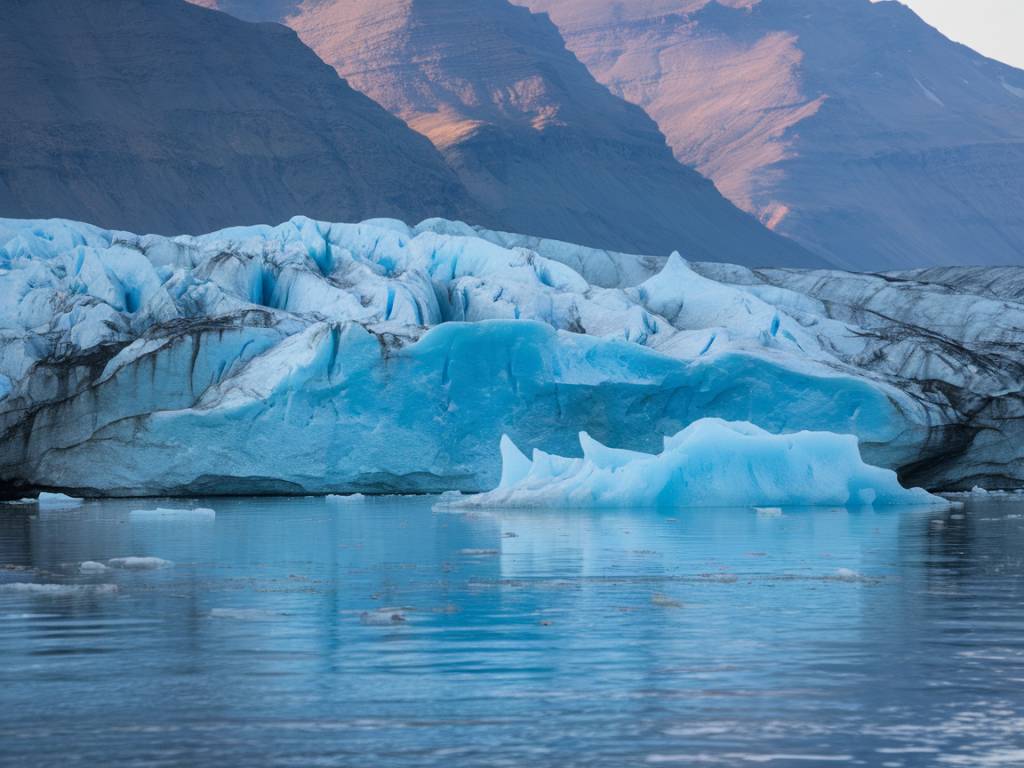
pixel 159 116
pixel 852 127
pixel 540 144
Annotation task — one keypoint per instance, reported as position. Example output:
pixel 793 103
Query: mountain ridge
pixel 853 127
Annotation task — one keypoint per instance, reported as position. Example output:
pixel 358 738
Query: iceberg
pixel 711 463
pixel 57 501
pixel 378 357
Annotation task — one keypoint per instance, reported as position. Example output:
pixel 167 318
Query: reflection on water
pixel 380 633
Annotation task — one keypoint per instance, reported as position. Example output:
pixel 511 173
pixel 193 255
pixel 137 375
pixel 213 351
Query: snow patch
pixel 930 95
pixel 1018 92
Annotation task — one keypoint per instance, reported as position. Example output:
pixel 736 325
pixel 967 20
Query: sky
pixel 994 28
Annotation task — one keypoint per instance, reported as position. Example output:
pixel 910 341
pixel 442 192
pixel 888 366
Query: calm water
pixel 312 632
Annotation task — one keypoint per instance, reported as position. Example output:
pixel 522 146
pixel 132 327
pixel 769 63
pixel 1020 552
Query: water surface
pixel 305 632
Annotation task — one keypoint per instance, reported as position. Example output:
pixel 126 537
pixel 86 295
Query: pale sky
pixel 994 28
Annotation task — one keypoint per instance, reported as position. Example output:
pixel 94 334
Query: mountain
pixel 160 116
pixel 537 141
pixel 852 127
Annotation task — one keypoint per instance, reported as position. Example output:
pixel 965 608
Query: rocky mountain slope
pixel 538 142
pixel 159 116
pixel 316 357
pixel 850 126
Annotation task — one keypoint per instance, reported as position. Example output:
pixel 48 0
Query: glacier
pixel 711 463
pixel 379 357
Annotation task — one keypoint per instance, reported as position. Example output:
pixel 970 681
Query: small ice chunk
pixel 768 511
pixel 847 574
pixel 198 512
pixel 57 500
pixel 349 497
pixel 91 566
pixel 139 563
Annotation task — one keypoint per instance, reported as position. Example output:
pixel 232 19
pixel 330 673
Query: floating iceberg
pixel 711 463
pixel 381 358
pixel 139 563
pixel 57 501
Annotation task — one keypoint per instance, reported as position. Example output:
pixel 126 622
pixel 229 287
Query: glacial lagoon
pixel 385 632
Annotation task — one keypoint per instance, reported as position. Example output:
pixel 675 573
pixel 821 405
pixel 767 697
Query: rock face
pixel 851 126
pixel 160 116
pixel 315 357
pixel 539 143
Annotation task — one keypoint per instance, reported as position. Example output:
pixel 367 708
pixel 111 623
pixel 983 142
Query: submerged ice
pixel 377 357
pixel 711 463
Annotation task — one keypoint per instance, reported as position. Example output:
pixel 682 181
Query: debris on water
pixel 383 617
pixel 59 590
pixel 719 578
pixel 245 614
pixel 91 566
pixel 663 601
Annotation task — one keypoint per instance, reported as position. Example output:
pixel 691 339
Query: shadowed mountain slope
pixel 165 117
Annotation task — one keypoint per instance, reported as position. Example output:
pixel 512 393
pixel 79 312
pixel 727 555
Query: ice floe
pixel 711 463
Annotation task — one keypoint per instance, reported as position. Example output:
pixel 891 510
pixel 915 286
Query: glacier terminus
pixel 379 357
